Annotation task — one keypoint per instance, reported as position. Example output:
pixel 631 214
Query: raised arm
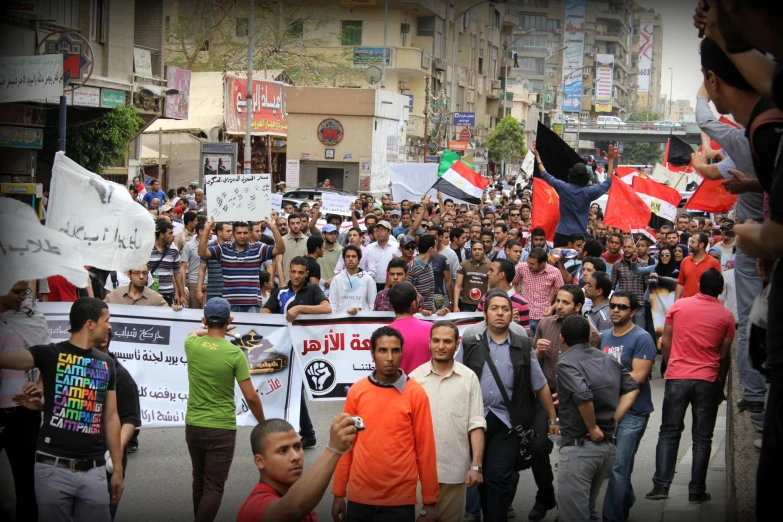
pixel 272 224
pixel 203 250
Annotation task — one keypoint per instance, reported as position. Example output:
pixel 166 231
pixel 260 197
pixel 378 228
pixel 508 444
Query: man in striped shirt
pixel 241 263
pixel 500 275
pixel 420 271
pixel 165 266
pixel 211 268
pixel 538 282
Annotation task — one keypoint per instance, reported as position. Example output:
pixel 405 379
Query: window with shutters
pixel 351 32
pixel 98 20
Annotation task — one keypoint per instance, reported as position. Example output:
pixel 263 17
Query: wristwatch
pixel 423 513
pixel 553 423
pixel 476 468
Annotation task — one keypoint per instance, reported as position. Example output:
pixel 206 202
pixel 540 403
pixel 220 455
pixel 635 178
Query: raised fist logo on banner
pixel 320 376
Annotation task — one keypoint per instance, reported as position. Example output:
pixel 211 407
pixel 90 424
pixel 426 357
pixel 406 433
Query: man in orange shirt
pixel 382 484
pixel 693 266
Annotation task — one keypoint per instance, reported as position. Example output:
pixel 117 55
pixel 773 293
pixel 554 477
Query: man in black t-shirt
pixel 315 250
pixel 80 419
pixel 128 409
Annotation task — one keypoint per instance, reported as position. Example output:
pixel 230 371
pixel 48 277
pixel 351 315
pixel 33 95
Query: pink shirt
pixel 695 341
pixel 416 346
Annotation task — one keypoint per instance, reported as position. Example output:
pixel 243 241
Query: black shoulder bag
pixel 524 434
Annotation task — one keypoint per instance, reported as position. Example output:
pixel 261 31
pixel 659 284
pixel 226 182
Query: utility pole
pixel 671 91
pixel 385 27
pixel 426 118
pixel 160 156
pixel 249 95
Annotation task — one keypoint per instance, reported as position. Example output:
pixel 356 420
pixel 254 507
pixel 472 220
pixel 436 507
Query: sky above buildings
pixel 680 48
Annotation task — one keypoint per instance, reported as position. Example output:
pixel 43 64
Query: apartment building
pixel 647 60
pixel 110 35
pixel 680 110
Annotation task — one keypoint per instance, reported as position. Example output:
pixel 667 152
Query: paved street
pixel 158 480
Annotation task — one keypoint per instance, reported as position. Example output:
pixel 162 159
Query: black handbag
pixel 525 435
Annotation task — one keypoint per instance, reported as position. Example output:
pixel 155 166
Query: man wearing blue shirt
pixel 575 196
pixel 633 347
pixel 154 193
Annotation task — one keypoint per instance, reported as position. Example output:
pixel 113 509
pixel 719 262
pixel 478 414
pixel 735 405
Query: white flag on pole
pixel 29 250
pixel 114 231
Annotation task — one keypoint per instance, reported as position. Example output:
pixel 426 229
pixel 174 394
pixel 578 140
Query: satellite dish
pixel 372 74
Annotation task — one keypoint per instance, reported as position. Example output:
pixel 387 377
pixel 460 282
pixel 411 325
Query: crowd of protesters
pixel 564 355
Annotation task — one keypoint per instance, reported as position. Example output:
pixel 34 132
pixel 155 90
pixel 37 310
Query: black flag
pixel 555 154
pixel 678 153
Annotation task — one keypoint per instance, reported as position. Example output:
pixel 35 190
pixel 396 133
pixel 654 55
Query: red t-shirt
pixel 695 342
pixel 60 290
pixel 258 502
pixel 609 258
pixel 691 272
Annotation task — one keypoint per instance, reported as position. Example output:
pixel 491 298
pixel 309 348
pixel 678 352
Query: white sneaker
pixel 757 444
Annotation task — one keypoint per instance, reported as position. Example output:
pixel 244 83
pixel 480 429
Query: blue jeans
pixel 748 286
pixel 619 492
pixel 246 308
pixel 533 327
pixel 472 502
pixel 704 399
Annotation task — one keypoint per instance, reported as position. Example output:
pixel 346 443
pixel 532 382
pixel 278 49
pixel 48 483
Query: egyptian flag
pixel 556 155
pixel 662 200
pixel 628 174
pixel 711 196
pixel 546 208
pixel 625 210
pixel 678 155
pixel 459 180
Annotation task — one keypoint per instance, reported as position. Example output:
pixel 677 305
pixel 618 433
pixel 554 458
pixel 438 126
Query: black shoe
pixel 698 498
pixel 539 510
pixel 751 406
pixel 133 447
pixel 757 417
pixel 657 494
pixel 626 514
pixel 308 443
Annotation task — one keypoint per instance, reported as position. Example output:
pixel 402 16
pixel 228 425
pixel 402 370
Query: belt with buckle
pixel 75 465
pixel 13 409
pixel 581 441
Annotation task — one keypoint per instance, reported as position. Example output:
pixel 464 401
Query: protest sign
pixel 528 163
pixel 114 231
pixel 276 201
pixel 24 78
pixel 291 173
pixel 150 343
pixel 244 197
pixel 29 250
pixel 411 180
pixel 333 203
pixel 334 350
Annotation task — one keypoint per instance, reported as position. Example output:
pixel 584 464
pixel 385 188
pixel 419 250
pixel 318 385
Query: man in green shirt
pixel 210 422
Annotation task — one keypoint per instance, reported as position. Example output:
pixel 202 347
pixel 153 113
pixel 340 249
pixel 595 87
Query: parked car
pixel 610 121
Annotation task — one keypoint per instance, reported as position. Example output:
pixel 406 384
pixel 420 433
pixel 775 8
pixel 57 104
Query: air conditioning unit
pixel 405 28
pixel 557 31
pixel 403 86
pixel 551 75
pixel 439 64
pixel 585 76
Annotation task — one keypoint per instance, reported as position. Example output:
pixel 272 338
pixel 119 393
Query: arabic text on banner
pixel 270 117
pixel 29 250
pixel 150 343
pixel 291 173
pixel 333 203
pixel 27 78
pixel 334 350
pixel 528 163
pixel 276 202
pixel 244 197
pixel 114 231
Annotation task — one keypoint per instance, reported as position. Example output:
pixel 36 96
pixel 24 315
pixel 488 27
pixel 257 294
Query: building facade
pixel 647 60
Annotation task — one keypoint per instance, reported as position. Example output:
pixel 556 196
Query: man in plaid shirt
pixel 624 275
pixel 538 282
pixel 396 272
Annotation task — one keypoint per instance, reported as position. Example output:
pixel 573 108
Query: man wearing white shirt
pixel 380 253
pixel 352 290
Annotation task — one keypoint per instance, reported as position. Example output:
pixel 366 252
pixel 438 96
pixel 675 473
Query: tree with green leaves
pixel 99 142
pixel 505 142
pixel 290 36
pixel 642 152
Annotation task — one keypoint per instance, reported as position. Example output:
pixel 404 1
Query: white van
pixel 610 121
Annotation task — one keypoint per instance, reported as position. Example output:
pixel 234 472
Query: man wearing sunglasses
pixel 635 350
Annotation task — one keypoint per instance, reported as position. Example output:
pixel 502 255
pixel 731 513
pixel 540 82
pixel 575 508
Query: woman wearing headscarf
pixel 575 196
pixel 681 252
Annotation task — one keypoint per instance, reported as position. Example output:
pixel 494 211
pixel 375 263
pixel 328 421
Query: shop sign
pixel 330 132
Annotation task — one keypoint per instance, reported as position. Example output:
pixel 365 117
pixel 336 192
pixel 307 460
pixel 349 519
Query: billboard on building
pixel 573 54
pixel 604 67
pixel 177 104
pixel 644 67
pixel 268 105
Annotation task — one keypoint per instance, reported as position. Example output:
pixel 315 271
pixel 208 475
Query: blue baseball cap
pixel 217 311
pixel 329 228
